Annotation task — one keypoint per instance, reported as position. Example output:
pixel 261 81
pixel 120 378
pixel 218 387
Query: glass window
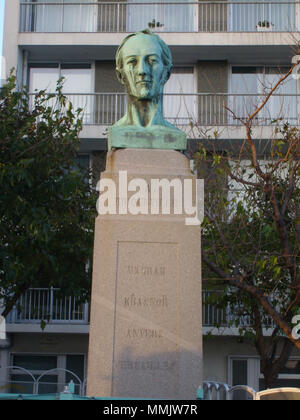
pixel 180 109
pixel 249 86
pixel 83 162
pixel 20 382
pixel 35 362
pixel 75 363
pixel 23 384
pixel 160 16
pixel 292 367
pixel 289 376
pixel 79 18
pixel 239 377
pixel 43 78
pixel 50 382
pixel 77 79
pixel 281 383
pixel 63 17
pixel 261 15
pixel 239 372
pixel 77 85
pixel 79 82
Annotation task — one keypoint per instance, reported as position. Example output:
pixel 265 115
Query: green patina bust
pixel 143 66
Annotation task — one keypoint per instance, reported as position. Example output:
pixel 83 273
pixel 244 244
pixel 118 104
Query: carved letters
pixel 137 270
pixel 145 301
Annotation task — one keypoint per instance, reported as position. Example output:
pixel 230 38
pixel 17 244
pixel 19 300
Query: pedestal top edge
pixel 147 159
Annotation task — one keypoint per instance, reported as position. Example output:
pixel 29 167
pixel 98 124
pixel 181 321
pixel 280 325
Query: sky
pixel 1 23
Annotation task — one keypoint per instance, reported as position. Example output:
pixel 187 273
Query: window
pixel 160 16
pixel 62 17
pixel 180 109
pixel 246 17
pixel 244 370
pixel 289 376
pixel 82 163
pixel 75 364
pixel 50 382
pixel 36 364
pixel 77 84
pixel 249 85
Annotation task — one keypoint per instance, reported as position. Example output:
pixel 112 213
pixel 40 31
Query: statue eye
pixel 131 61
pixel 153 60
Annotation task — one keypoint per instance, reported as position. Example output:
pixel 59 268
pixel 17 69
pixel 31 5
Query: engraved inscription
pixel 147 365
pixel 143 270
pixel 146 322
pixel 143 333
pixel 134 301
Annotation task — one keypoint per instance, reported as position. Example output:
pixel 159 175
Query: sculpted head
pixel 143 65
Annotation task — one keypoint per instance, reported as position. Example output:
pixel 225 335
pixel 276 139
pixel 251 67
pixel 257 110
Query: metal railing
pixel 24 381
pixel 224 317
pixel 203 109
pixel 41 304
pixel 173 16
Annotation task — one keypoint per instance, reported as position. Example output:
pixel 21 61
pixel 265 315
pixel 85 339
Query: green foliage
pixel 47 208
pixel 251 238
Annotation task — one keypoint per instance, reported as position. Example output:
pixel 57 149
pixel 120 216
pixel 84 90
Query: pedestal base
pixel 145 334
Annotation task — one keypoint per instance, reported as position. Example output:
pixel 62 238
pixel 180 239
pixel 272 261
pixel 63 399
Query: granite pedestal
pixel 145 331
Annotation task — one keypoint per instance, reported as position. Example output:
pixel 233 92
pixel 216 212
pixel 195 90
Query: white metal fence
pixel 23 381
pixel 42 304
pixel 224 317
pixel 205 109
pixel 159 16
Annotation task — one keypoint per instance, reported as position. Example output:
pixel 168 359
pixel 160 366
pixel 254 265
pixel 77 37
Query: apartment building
pixel 223 52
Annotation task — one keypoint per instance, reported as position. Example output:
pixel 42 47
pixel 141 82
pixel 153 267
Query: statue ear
pixel 119 76
pixel 168 74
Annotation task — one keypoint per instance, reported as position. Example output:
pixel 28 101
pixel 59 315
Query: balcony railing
pixel 203 109
pixel 159 16
pixel 41 304
pixel 212 316
pixel 47 305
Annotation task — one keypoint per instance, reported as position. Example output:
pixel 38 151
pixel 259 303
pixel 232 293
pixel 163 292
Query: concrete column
pixel 4 363
pixel 10 38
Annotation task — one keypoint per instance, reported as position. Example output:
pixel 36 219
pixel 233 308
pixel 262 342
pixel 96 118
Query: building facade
pixel 224 53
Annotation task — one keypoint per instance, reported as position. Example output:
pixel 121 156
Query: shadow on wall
pixel 170 375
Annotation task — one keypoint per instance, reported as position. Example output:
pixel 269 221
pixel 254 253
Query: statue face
pixel 144 73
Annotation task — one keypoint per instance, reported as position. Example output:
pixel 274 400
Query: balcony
pixel 185 110
pixel 41 304
pixel 224 318
pixel 159 16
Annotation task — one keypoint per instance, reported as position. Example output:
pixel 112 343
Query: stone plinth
pixel 145 334
pixel 157 137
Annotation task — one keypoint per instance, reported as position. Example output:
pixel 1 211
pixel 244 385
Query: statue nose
pixel 142 68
